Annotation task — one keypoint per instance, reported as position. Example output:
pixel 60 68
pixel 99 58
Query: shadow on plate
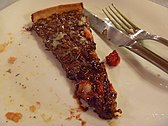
pixel 151 77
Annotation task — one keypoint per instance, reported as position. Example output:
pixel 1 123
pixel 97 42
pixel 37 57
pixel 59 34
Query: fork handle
pixel 160 39
pixel 149 56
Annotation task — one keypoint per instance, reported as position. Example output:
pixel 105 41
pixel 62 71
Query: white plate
pixel 37 77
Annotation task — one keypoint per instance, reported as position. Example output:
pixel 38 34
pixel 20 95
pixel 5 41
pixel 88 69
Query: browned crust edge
pixel 56 9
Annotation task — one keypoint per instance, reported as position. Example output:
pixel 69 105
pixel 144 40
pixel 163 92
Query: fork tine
pixel 120 18
pixel 116 22
pixel 113 22
pixel 121 21
pixel 132 24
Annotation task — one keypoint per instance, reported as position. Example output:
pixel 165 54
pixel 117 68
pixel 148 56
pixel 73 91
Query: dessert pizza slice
pixel 66 33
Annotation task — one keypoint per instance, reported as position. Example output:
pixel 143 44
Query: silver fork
pixel 122 23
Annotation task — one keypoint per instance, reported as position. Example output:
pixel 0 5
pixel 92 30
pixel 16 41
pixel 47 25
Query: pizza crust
pixel 55 10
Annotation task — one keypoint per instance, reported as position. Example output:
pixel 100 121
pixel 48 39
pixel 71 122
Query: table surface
pixel 161 2
pixel 5 3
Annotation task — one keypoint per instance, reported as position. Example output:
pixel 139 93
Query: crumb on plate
pixel 9 71
pixel 46 118
pixel 11 59
pixel 75 113
pixel 32 108
pixel 3 47
pixel 14 116
pixel 112 123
